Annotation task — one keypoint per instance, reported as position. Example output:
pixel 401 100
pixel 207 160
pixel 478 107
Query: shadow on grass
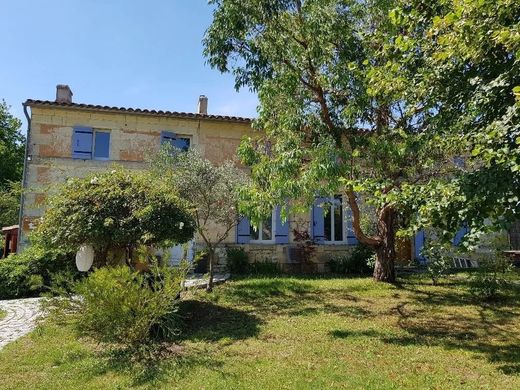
pixel 294 296
pixel 210 322
pixel 493 333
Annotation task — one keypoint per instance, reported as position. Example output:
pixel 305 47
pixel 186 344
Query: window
pixel 332 222
pixel 174 140
pixel 263 231
pixel 88 144
pixel 274 230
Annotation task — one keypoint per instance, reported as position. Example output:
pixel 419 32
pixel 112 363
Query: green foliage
pixel 121 307
pixel 33 271
pixel 211 190
pixel 10 203
pixel 237 261
pixel 328 128
pixel 491 278
pixel 264 268
pixel 355 263
pixel 440 260
pixel 13 278
pixel 12 148
pixel 115 209
pixel 457 61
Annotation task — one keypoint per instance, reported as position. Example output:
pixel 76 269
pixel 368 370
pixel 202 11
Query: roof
pixel 9 228
pixel 140 111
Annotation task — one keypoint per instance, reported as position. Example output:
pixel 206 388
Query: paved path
pixel 20 318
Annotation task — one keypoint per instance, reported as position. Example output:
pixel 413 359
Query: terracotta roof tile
pixel 94 107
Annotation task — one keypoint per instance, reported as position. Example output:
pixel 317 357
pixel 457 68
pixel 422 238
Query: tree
pixel 114 211
pixel 10 204
pixel 459 61
pixel 12 147
pixel 330 130
pixel 212 190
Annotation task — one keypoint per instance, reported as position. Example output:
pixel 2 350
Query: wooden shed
pixel 10 240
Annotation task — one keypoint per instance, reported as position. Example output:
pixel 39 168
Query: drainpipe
pixel 24 177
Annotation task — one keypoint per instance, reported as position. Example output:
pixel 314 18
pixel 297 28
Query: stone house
pixel 67 139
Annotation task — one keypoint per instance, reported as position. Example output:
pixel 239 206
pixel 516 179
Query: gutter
pixel 24 176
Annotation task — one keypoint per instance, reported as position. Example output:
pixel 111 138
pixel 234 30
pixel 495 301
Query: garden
pixel 410 113
pixel 298 332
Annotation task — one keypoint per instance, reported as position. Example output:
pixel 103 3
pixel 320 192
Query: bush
pixel 491 277
pixel 264 268
pixel 440 260
pixel 356 263
pixel 237 261
pixel 122 307
pixel 32 271
pixel 118 211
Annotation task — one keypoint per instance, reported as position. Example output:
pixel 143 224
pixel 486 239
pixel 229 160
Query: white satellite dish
pixel 85 258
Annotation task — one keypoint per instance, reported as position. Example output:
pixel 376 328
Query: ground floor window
pixel 263 231
pixel 334 220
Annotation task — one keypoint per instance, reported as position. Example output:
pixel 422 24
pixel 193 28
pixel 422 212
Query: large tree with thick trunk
pixel 328 128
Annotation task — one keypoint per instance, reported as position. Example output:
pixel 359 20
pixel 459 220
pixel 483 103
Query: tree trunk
pixel 384 270
pixel 211 254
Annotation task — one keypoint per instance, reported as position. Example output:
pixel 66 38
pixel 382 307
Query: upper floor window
pixel 174 140
pixel 88 143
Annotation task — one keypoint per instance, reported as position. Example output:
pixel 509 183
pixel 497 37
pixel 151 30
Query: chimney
pixel 63 94
pixel 203 105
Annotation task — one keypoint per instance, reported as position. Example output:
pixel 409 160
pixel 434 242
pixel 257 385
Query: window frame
pixel 344 223
pixel 94 142
pixel 272 240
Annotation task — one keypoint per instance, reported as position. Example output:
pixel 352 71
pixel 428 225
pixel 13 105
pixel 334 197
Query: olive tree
pixel 115 211
pixel 212 190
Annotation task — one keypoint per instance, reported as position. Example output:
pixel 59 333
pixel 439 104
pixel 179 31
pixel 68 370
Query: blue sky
pixel 145 54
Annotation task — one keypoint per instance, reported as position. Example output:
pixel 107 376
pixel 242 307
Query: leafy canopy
pixel 12 147
pixel 212 190
pixel 328 129
pixel 460 61
pixel 115 209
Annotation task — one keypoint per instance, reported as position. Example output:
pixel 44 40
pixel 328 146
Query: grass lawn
pixel 300 333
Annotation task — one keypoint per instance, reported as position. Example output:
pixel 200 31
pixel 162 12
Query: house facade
pixel 67 139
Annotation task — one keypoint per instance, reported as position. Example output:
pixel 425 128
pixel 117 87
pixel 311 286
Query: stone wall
pixel 133 137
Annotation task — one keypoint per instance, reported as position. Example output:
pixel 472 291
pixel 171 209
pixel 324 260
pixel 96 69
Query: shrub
pixel 122 307
pixel 13 278
pixel 264 268
pixel 116 211
pixel 491 277
pixel 440 260
pixel 357 262
pixel 32 271
pixel 237 261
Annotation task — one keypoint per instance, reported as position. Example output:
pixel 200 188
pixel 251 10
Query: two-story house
pixel 67 139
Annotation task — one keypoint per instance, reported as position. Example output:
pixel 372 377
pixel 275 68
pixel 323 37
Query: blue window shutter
pixel 82 143
pixel 102 145
pixel 351 237
pixel 168 137
pixel 419 244
pixel 318 227
pixel 243 231
pixel 281 228
pixel 460 235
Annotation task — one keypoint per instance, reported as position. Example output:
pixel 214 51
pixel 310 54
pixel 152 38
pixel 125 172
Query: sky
pixel 129 53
